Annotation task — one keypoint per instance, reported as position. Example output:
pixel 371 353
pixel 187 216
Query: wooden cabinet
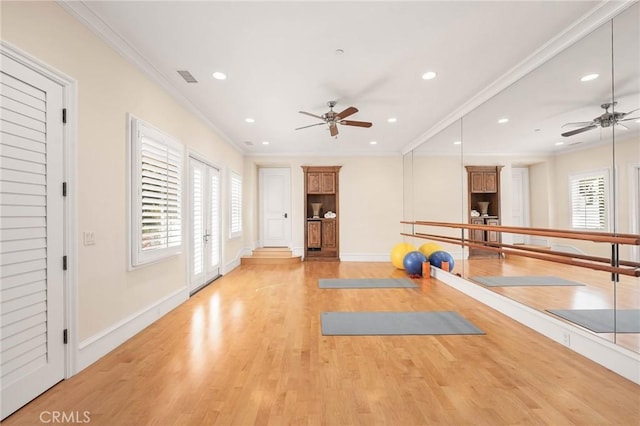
pixel 483 181
pixel 314 230
pixel 321 238
pixel 321 183
pixel 484 198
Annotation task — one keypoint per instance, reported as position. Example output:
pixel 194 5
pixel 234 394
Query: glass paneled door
pixel 205 223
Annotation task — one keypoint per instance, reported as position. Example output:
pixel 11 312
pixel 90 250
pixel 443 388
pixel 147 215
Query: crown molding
pixel 82 12
pixel 593 19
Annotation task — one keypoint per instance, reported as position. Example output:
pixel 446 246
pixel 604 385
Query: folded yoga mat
pixel 395 323
pixel 602 320
pixel 366 283
pixel 524 281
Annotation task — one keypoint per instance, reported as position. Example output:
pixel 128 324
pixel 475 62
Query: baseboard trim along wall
pixel 95 347
pixel 614 357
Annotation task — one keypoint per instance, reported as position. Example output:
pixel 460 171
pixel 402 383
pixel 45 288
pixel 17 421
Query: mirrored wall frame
pixel 538 166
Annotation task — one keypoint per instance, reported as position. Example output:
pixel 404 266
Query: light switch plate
pixel 89 238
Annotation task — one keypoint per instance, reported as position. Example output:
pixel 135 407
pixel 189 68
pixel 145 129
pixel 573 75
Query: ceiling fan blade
pixel 631 112
pixel 347 112
pixel 310 125
pixel 333 129
pixel 629 119
pixel 312 115
pixel 622 125
pixel 575 132
pixel 356 123
pixel 578 123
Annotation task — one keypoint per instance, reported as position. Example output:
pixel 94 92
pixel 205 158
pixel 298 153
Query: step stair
pixel 270 256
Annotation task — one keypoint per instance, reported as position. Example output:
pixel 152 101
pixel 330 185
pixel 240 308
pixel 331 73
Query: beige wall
pixel 108 87
pixel 370 202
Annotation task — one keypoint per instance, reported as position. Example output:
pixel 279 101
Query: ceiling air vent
pixel 187 77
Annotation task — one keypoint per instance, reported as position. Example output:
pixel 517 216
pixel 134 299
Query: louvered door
pixel 31 234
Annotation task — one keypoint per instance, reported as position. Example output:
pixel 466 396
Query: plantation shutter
pixel 214 220
pixel 588 202
pixel 236 204
pixel 157 181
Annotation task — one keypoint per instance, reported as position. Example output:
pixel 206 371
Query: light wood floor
pixel 598 292
pixel 248 350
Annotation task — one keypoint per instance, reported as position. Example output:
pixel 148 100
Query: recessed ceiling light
pixel 265 142
pixel 373 143
pixel 249 120
pixel 503 120
pixel 339 51
pixel 429 75
pixel 392 120
pixel 589 77
pixel 536 130
pixel 219 75
pixel 457 142
pixel 559 143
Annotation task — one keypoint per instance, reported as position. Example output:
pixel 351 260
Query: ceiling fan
pixel 605 120
pixel 333 119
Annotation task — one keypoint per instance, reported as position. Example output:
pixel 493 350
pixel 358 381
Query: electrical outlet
pixel 89 238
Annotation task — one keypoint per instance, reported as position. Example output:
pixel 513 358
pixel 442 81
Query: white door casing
pixel 204 235
pixel 520 202
pixel 275 206
pixel 32 231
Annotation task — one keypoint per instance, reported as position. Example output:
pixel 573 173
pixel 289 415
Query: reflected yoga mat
pixel 602 320
pixel 366 283
pixel 523 281
pixel 395 323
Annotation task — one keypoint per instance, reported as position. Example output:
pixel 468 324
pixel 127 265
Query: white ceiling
pixel 280 57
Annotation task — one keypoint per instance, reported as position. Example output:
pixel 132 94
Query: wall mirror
pixel 587 180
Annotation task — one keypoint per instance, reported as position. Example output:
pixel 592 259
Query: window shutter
pixel 157 180
pixel 236 204
pixel 588 202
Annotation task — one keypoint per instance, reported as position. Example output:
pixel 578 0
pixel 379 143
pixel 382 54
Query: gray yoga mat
pixel 395 323
pixel 602 320
pixel 366 283
pixel 523 281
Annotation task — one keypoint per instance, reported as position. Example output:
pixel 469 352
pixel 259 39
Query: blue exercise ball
pixel 413 262
pixel 437 257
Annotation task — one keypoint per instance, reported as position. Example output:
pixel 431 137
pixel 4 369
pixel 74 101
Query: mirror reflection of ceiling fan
pixel 333 119
pixel 607 119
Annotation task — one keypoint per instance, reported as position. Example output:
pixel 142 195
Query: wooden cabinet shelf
pixel 484 193
pixel 321 186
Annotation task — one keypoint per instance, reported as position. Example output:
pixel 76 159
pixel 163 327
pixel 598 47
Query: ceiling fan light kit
pixel 332 119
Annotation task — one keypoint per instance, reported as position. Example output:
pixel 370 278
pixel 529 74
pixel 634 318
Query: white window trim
pixel 234 233
pixel 137 256
pixel 606 173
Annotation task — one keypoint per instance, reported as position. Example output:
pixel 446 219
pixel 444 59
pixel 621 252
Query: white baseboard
pixel 95 347
pixel 614 357
pixel 365 257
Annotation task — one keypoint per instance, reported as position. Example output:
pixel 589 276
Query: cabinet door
pixel 490 182
pixel 329 234
pixel 313 234
pixel 313 183
pixel 328 183
pixel 492 236
pixel 477 234
pixel 477 181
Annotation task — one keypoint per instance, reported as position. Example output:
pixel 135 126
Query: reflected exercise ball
pixel 430 247
pixel 437 257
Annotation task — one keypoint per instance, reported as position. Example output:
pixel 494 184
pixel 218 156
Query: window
pixel 156 194
pixel 589 200
pixel 235 229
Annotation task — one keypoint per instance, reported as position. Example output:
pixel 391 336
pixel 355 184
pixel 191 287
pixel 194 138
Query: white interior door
pixel 520 202
pixel 205 223
pixel 32 351
pixel 275 207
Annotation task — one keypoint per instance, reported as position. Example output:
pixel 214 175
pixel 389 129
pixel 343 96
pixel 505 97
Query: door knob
pixel 285 216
